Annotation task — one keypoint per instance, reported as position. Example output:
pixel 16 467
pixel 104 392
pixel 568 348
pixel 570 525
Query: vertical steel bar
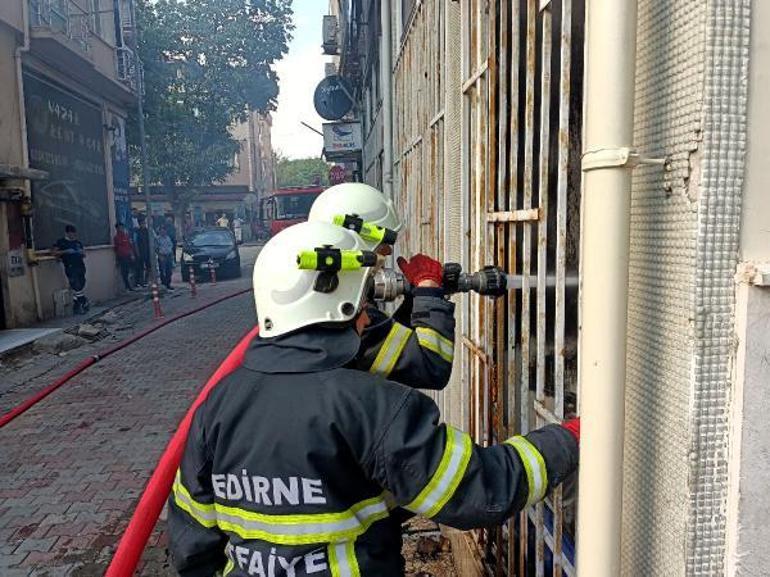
pixel 465 205
pixel 561 254
pixel 513 91
pixel 494 311
pixel 542 251
pixel 526 254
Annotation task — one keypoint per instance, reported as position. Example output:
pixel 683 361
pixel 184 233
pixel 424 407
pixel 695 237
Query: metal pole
pixel 143 145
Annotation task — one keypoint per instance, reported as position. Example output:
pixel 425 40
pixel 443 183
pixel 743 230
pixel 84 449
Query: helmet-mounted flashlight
pixel 368 231
pixel 329 259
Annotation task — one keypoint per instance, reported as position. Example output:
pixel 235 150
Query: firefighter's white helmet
pixel 289 298
pixel 360 200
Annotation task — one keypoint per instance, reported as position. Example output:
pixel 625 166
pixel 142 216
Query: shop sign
pixel 65 136
pixel 342 140
pixel 16 262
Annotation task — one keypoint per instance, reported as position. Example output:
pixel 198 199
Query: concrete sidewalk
pixel 31 367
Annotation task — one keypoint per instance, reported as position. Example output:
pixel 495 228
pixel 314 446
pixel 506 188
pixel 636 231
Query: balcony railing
pixel 127 67
pixel 64 17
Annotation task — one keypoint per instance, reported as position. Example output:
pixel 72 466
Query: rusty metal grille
pixel 519 158
pixel 522 89
pixel 419 129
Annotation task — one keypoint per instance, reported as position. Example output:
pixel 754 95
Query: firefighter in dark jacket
pixel 295 461
pixel 415 346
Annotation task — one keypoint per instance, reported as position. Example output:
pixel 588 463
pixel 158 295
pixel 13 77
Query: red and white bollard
pixel 156 301
pixel 213 272
pixel 193 286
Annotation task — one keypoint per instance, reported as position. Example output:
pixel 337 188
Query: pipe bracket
pixel 621 157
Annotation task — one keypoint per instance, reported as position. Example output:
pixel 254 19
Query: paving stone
pixel 74 465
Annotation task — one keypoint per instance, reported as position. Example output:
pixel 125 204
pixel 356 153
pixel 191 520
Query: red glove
pixel 421 268
pixel 573 426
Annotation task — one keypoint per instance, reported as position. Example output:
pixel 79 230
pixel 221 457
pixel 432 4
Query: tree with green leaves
pixel 207 64
pixel 301 172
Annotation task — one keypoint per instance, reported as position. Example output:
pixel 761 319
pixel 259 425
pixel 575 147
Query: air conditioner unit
pixel 331 43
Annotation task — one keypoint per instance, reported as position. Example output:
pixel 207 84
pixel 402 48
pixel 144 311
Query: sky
pixel 299 73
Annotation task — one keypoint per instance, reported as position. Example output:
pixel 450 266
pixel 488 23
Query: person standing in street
pixel 165 249
pixel 124 251
pixel 72 254
pixel 223 221
pixel 238 229
pixel 142 253
pixel 171 230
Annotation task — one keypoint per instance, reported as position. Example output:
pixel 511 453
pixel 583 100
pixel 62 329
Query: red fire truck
pixel 286 206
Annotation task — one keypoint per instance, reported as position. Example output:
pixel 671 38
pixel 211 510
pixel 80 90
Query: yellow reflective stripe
pixel 304 529
pixel 342 559
pixel 446 479
pixel 228 568
pixel 534 465
pixel 203 513
pixel 391 350
pixel 434 341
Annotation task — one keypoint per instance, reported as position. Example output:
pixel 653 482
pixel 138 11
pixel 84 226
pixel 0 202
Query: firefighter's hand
pixel 573 427
pixel 421 270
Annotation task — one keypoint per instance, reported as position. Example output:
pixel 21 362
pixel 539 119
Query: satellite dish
pixel 332 97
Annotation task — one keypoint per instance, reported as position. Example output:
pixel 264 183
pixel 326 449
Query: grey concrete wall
pixel 690 108
pixel 749 506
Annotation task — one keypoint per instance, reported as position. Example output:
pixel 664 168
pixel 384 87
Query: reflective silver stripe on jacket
pixel 447 477
pixel 302 529
pixel 534 465
pixel 342 559
pixel 434 341
pixel 391 350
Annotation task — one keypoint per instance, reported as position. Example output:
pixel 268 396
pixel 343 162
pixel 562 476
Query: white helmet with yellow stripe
pixel 310 273
pixel 355 205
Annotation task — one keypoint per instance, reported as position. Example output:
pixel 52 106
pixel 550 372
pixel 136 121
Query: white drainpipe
pixel 609 106
pixel 386 64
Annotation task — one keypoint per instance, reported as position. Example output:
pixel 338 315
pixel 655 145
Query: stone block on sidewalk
pixel 58 343
pixel 89 331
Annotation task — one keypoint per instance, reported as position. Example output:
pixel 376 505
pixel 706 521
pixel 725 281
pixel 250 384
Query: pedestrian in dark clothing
pixel 171 230
pixel 72 254
pixel 142 253
pixel 165 249
pixel 124 251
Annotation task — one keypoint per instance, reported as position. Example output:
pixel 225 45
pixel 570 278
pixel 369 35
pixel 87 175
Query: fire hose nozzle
pixel 389 284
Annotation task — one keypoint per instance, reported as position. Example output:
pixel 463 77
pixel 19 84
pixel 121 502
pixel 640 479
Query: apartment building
pixel 66 86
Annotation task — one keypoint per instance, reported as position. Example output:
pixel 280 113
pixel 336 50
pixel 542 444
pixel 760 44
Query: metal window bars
pixel 65 17
pixel 522 89
pixel 519 158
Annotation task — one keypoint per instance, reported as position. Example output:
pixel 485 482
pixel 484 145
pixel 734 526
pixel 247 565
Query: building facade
pixel 474 115
pixel 252 176
pixel 67 83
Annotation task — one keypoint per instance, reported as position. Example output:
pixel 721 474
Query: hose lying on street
pixel 69 375
pixel 153 498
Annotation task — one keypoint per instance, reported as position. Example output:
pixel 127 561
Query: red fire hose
pixel 36 398
pixel 145 516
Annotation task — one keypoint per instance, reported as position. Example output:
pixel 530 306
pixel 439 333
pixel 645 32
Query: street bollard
pixel 193 286
pixel 156 301
pixel 213 272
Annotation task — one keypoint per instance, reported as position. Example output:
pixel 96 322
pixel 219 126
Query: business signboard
pixel 65 138
pixel 342 140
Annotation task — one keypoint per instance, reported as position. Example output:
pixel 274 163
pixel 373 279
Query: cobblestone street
pixel 75 463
